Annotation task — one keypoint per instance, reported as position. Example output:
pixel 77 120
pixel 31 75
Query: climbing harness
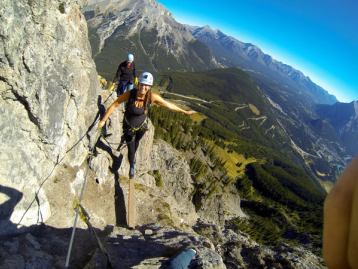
pixel 131 129
pixel 127 127
pixel 121 144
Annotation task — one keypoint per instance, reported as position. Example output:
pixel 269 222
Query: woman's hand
pixel 157 99
pixel 340 229
pixel 190 112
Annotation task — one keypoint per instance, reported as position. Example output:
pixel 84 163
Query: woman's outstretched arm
pixel 122 98
pixel 157 99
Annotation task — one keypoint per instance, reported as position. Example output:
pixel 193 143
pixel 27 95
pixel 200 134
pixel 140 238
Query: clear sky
pixel 317 37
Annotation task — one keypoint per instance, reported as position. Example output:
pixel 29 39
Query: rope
pixel 108 97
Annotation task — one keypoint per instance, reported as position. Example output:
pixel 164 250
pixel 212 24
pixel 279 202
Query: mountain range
pixel 160 43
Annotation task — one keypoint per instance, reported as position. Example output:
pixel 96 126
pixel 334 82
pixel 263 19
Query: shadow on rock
pixel 120 208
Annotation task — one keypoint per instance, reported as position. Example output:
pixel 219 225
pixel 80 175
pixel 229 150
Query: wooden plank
pixel 131 204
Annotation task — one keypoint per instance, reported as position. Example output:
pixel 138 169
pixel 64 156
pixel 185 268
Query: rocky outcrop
pixel 48 86
pixel 239 251
pixel 150 246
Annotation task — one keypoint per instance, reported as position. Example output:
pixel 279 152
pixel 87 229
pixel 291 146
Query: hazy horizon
pixel 327 61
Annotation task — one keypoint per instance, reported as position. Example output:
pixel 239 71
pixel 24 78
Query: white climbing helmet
pixel 146 78
pixel 130 57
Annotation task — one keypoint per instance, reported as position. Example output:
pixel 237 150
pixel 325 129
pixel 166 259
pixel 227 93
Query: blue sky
pixel 317 37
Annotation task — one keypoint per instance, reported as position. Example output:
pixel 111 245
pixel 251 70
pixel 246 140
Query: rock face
pixel 239 251
pixel 48 86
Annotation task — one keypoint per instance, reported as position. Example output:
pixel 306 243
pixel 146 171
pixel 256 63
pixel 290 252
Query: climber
pixel 125 75
pixel 135 115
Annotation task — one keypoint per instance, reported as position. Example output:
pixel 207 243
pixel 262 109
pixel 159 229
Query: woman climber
pixel 135 115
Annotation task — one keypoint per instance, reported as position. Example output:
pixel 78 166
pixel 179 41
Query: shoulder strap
pixel 132 97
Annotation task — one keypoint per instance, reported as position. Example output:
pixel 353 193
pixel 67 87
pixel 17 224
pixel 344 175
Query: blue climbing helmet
pixel 130 57
pixel 146 78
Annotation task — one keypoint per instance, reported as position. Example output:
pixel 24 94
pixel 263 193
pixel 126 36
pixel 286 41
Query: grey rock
pixel 148 232
pixel 39 260
pixel 33 241
pixel 48 98
pixel 97 261
pixel 175 172
pixel 14 262
pixel 208 259
pixel 12 246
pixel 152 263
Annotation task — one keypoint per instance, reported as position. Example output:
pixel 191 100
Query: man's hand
pixel 101 124
pixel 340 229
pixel 111 86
